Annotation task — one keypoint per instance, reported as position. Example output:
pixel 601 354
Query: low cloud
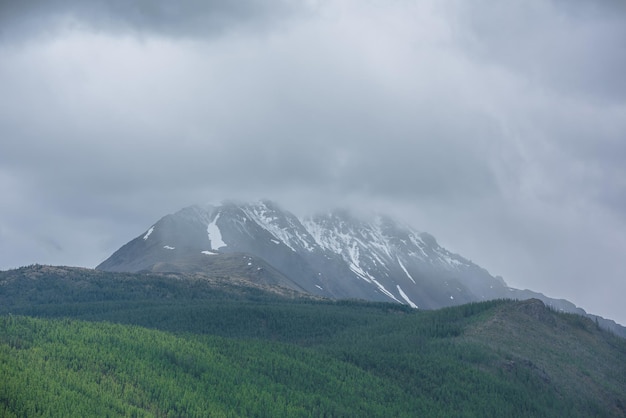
pixel 498 128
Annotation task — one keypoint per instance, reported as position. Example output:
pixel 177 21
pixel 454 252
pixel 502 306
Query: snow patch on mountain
pixel 215 235
pixel 145 237
pixel 385 291
pixel 378 239
pixel 406 298
pixel 269 221
pixel 419 244
pixel 405 271
pixel 315 230
pixel 447 260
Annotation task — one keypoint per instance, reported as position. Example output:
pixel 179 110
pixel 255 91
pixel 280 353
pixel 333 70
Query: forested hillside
pixel 175 347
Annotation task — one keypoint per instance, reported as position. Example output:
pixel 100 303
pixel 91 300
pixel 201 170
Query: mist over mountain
pixel 335 254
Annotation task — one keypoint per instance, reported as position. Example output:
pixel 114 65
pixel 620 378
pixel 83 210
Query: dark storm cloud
pixel 147 17
pixel 497 127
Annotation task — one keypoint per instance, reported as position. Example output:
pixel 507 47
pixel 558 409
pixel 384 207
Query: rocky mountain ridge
pixel 335 255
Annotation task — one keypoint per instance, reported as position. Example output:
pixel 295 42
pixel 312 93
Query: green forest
pixel 162 346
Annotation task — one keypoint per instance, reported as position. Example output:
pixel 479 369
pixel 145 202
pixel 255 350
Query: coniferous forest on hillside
pixel 75 342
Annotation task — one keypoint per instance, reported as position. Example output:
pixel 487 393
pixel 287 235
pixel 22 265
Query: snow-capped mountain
pixel 334 255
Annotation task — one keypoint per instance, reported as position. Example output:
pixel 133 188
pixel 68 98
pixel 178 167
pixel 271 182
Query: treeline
pixel 48 285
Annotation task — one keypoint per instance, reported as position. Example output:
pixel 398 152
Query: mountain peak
pixel 335 254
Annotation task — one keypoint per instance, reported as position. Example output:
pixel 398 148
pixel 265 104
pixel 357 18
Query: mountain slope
pixel 334 255
pixel 295 357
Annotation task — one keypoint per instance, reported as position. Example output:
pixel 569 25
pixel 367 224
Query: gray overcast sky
pixel 497 126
